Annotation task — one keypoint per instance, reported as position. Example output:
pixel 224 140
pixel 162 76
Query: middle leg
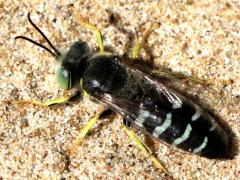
pixel 103 112
pixel 141 43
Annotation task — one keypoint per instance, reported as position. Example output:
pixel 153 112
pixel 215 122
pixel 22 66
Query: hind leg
pixel 125 126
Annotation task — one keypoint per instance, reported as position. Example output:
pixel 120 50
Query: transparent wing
pixel 131 111
pixel 202 92
pixel 121 106
pixel 171 84
pixel 128 110
pixel 170 95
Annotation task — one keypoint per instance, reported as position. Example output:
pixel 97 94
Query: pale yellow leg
pixel 143 148
pixel 48 103
pixel 139 44
pixel 87 25
pixel 84 131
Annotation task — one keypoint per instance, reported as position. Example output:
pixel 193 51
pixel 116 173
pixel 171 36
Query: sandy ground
pixel 198 38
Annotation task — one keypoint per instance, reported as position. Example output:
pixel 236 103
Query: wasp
pixel 142 99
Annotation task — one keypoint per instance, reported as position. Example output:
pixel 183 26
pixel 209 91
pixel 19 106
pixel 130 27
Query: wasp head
pixel 71 63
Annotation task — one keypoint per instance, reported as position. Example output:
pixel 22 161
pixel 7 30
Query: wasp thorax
pixel 104 74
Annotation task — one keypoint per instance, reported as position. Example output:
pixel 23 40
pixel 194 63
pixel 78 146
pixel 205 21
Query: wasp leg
pixel 141 43
pixel 85 130
pixel 142 147
pixel 87 25
pixel 71 98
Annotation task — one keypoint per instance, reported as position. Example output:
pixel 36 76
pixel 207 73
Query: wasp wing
pixel 132 110
pixel 126 109
pixel 191 87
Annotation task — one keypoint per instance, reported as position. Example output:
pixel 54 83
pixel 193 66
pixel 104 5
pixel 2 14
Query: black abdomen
pixel 192 130
pixel 186 128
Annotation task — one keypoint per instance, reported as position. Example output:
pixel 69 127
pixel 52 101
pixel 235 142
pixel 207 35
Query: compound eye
pixel 63 78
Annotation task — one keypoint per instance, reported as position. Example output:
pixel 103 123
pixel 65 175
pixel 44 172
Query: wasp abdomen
pixel 187 128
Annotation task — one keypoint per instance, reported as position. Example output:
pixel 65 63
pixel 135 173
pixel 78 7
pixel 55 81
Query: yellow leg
pixel 87 25
pixel 143 148
pixel 51 102
pixel 139 44
pixel 84 131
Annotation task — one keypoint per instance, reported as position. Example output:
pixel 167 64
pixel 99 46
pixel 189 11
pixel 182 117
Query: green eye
pixel 63 78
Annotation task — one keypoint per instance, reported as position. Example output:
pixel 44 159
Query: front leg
pixel 72 98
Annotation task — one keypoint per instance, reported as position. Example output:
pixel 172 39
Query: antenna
pixel 56 52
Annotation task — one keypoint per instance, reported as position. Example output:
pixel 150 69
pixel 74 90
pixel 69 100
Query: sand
pixel 197 38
